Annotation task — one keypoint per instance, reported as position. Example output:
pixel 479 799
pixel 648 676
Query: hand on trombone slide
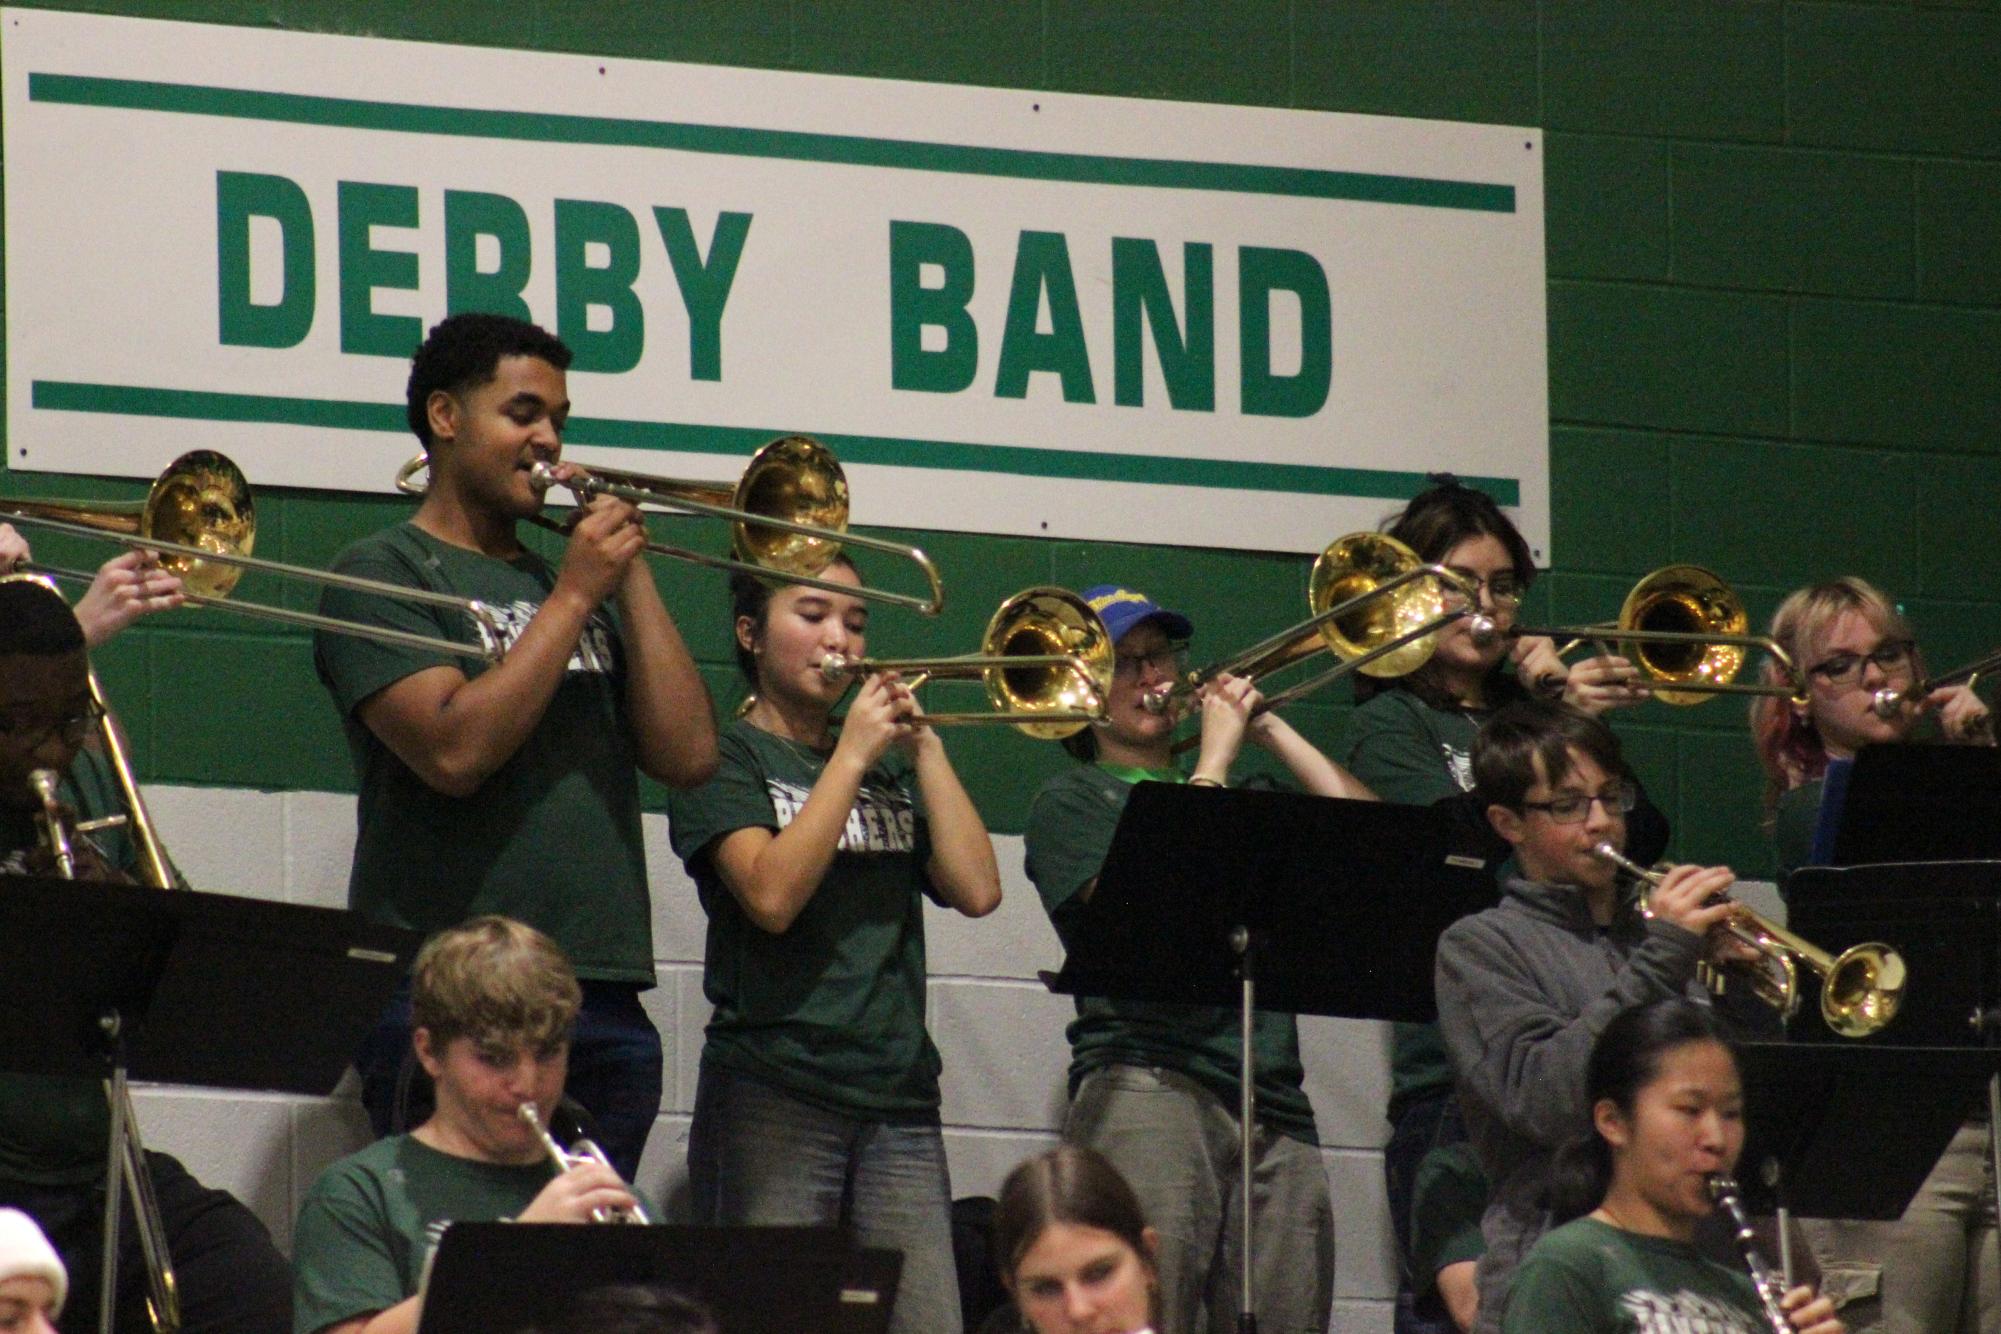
pixel 126 587
pixel 1962 715
pixel 1592 686
pixel 605 540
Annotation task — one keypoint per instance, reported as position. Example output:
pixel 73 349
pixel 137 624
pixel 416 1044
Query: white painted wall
pixel 1001 1034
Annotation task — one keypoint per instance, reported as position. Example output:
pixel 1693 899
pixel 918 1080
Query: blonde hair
pixel 493 977
pixel 1789 746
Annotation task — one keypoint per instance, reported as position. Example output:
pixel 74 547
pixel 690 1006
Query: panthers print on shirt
pixel 1683 1312
pixel 593 645
pixel 882 820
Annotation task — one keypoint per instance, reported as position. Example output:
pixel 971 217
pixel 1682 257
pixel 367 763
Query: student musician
pixel 812 849
pixel 1526 987
pixel 1936 1268
pixel 1156 1088
pixel 1666 1118
pixel 495 1002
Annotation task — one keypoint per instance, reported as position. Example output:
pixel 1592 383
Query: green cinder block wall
pixel 1774 243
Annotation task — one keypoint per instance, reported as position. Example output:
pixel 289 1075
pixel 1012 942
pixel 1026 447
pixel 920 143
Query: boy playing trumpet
pixel 493 1003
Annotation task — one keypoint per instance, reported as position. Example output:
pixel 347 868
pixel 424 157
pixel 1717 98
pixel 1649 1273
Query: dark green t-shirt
pixel 552 837
pixel 832 1009
pixel 1446 1200
pixel 1410 752
pixel 1793 825
pixel 1588 1277
pixel 1070 826
pixel 53 1131
pixel 369 1225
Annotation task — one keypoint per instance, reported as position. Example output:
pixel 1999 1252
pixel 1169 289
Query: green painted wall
pixel 1774 238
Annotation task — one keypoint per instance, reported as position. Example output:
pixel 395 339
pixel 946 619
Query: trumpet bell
pixel 1864 990
pixel 1355 565
pixel 795 478
pixel 1684 599
pixel 1047 621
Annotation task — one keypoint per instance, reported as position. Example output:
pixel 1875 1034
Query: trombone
pixel 1375 606
pixel 1045 659
pixel 788 513
pixel 1889 703
pixel 198 517
pixel 1860 991
pixel 1687 632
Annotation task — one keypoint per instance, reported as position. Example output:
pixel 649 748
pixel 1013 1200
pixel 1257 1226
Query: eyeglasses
pixel 1504 590
pixel 1572 809
pixel 71 730
pixel 1168 660
pixel 1845 669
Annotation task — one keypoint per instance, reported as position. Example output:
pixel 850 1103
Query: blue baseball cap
pixel 1121 608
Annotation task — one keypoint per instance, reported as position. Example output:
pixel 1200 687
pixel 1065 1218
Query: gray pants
pixel 1939 1274
pixel 1177 1143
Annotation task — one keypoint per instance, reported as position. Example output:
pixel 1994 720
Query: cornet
pixel 580 1154
pixel 1860 991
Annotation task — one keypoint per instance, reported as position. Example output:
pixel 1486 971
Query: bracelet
pixel 1199 781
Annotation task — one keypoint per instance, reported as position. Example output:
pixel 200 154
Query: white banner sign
pixel 1007 312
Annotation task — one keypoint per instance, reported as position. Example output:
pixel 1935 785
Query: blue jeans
pixel 615 1071
pixel 759 1156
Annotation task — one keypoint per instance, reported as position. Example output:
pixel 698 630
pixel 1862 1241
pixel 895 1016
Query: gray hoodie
pixel 1524 990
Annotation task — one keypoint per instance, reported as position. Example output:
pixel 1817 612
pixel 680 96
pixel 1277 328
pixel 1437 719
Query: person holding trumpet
pixel 1666 1107
pixel 494 1003
pixel 512 787
pixel 1153 1087
pixel 1851 642
pixel 1525 988
pixel 812 849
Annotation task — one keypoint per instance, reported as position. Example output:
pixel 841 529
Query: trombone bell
pixel 1685 600
pixel 1359 564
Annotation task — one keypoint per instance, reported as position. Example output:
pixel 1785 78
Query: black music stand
pixel 1908 803
pixel 113 982
pixel 511 1278
pixel 1274 900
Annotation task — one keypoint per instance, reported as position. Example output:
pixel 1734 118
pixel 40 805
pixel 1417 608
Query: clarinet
pixel 1771 1286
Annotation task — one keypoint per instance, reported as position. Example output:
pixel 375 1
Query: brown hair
pixel 1068 1184
pixel 492 977
pixel 1511 743
pixel 1789 747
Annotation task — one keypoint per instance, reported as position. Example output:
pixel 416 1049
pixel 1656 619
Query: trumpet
pixel 1769 1282
pixel 1687 631
pixel 199 520
pixel 788 514
pixel 1374 605
pixel 1860 991
pixel 580 1154
pixel 1889 703
pixel 1045 660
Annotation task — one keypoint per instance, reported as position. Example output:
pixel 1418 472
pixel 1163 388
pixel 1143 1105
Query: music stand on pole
pixel 1276 900
pixel 117 982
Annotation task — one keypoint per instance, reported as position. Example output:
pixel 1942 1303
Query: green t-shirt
pixel 552 837
pixel 1070 826
pixel 832 1009
pixel 1447 1199
pixel 369 1225
pixel 1408 751
pixel 1588 1277
pixel 55 1131
pixel 1794 823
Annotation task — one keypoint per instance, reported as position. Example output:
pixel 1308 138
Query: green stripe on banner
pixel 739 441
pixel 794 145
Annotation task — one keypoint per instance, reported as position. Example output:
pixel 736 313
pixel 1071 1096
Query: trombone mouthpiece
pixel 45 782
pixel 1887 703
pixel 1482 629
pixel 835 666
pixel 541 476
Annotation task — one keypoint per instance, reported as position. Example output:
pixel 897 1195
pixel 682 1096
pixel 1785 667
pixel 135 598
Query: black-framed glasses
pixel 1573 808
pixel 1169 659
pixel 1504 590
pixel 72 730
pixel 1846 669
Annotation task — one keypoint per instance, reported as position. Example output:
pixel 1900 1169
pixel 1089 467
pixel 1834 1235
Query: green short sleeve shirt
pixel 1070 826
pixel 1588 1277
pixel 832 1009
pixel 552 838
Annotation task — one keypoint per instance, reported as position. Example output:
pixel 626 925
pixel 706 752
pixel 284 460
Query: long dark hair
pixel 1626 1058
pixel 1068 1184
pixel 1433 523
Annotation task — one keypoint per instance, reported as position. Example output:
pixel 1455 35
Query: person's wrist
pixel 1204 780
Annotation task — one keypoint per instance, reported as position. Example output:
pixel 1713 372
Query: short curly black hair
pixel 35 621
pixel 464 352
